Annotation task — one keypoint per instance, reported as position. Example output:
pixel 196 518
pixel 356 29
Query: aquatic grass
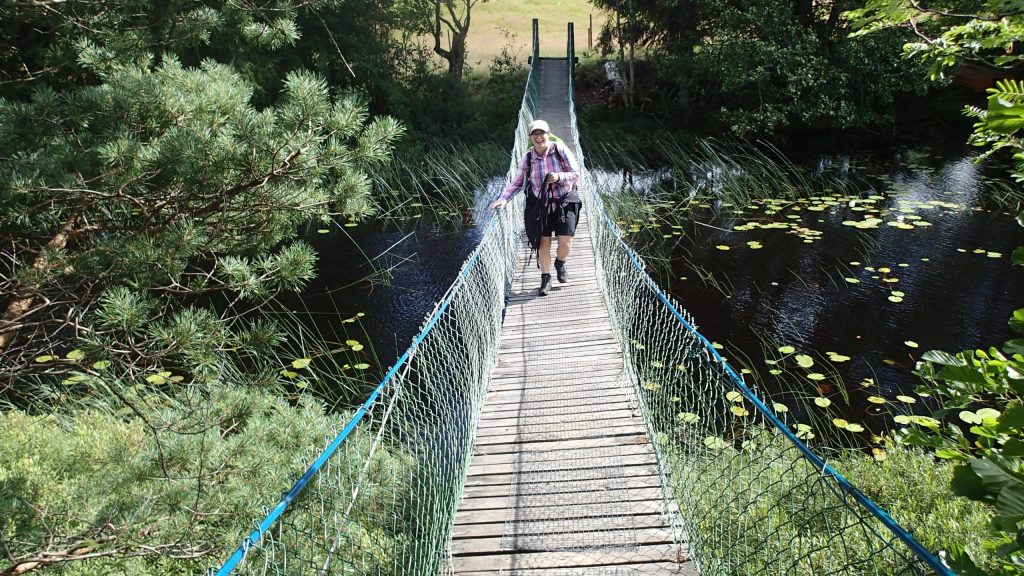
pixel 441 183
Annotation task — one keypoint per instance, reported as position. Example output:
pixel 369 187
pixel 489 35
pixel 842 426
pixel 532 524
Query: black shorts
pixel 561 221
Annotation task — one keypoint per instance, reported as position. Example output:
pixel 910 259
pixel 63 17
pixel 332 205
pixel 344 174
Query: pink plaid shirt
pixel 558 159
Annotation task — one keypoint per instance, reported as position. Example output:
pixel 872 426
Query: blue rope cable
pixel 820 463
pixel 300 484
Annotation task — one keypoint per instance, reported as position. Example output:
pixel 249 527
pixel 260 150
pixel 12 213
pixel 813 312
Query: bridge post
pixel 571 53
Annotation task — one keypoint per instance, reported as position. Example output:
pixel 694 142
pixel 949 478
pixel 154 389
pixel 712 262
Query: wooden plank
pixel 506 442
pixel 571 449
pixel 645 569
pixel 622 537
pixel 547 487
pixel 507 465
pixel 507 421
pixel 575 511
pixel 557 526
pixel 621 497
pixel 581 475
pixel 495 562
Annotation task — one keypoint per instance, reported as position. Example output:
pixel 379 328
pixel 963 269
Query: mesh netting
pixel 753 498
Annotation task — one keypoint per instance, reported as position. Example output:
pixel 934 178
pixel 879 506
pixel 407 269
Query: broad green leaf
pixel 943 358
pixel 75 355
pixel 100 365
pixel 780 408
pixel 969 417
pixel 822 402
pixel 361 366
pixel 787 349
pixel 45 358
pixel 289 374
pixel 854 427
pixel 734 396
pixel 1015 346
pixel 804 361
pixel 156 379
pixel 1017 321
pixel 300 363
pixel 815 376
pixel 906 399
pixel 1017 257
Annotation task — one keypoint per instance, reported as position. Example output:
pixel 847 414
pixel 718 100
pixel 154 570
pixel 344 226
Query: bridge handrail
pixel 527 110
pixel 737 381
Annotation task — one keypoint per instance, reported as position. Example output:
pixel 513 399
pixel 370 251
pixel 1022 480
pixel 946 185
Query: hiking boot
pixel 563 274
pixel 545 284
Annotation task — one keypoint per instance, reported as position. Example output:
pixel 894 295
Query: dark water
pixel 379 280
pixel 957 283
pixel 789 292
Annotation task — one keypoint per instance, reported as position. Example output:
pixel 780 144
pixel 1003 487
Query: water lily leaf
pixel 656 364
pixel 648 385
pixel 901 419
pixel 722 247
pixel 891 280
pixel 775 372
pixel 911 343
pixel 854 427
pixel 45 358
pixel 822 402
pixel 715 443
pixel 854 263
pixel 877 400
pixel 288 373
pixel 780 408
pixel 906 399
pixel 351 224
pixel 993 254
pixel 687 417
pixel 734 396
pixel 840 423
pixel 323 231
pixel 361 366
pixel 787 349
pixel 896 299
pixel 100 365
pixel 771 362
pixel 884 270
pixel 301 363
pixel 156 379
pixel 75 355
pixel 852 280
pixel 898 293
pixel 834 357
pixel 717 346
pixel 815 376
pixel 804 361
pixel 739 410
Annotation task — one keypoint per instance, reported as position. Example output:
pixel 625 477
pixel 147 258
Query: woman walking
pixel 548 174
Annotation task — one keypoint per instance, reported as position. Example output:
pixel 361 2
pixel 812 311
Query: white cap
pixel 539 125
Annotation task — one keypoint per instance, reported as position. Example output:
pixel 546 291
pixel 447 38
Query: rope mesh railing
pixel 753 498
pixel 380 498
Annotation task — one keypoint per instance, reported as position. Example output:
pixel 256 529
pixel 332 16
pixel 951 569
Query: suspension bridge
pixel 590 432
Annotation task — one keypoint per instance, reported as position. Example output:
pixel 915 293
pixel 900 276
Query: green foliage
pixel 983 391
pixel 765 66
pixel 952 33
pixel 154 484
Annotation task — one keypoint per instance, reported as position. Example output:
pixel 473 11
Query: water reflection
pixel 822 285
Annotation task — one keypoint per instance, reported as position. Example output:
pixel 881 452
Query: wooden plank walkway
pixel 563 479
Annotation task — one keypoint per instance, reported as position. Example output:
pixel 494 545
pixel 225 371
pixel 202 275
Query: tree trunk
pixel 19 306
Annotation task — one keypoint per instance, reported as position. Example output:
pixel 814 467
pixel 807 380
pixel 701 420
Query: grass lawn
pixel 491 19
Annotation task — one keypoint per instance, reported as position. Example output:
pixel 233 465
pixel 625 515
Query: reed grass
pixel 441 184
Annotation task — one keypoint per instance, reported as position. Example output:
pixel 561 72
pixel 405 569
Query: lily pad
pixel 906 399
pixel 822 402
pixel 804 361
